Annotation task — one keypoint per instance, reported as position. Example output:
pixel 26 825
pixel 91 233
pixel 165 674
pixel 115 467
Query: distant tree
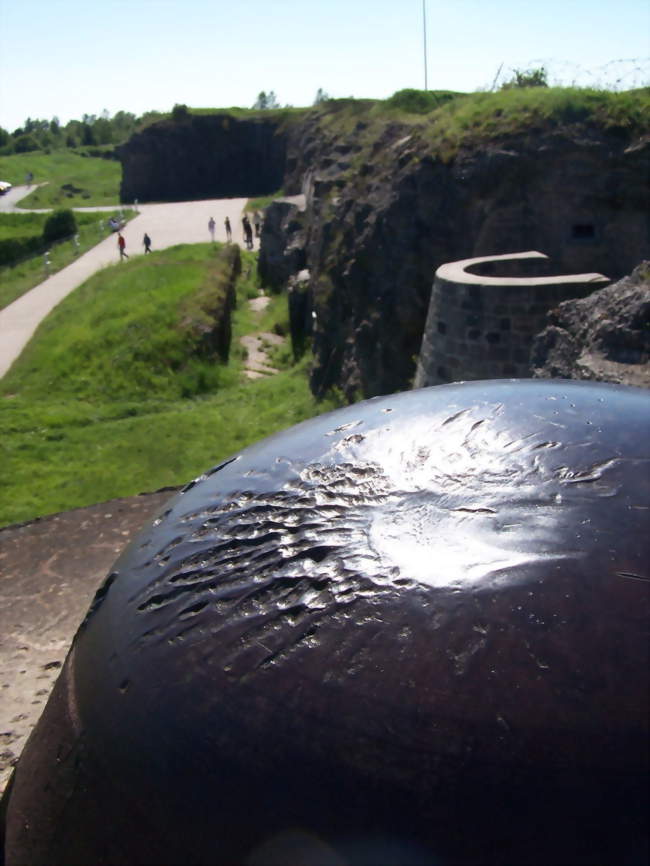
pixel 45 140
pixel 4 137
pixel 527 78
pixel 321 96
pixel 103 131
pixel 25 144
pixel 180 113
pixel 124 124
pixel 73 127
pixel 87 134
pixel 55 126
pixel 266 100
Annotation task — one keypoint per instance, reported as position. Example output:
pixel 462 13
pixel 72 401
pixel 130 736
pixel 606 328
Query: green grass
pixel 481 117
pixel 14 225
pixel 420 101
pixel 287 114
pixel 263 201
pixel 445 121
pixel 72 180
pixel 20 278
pixel 125 334
pixel 112 397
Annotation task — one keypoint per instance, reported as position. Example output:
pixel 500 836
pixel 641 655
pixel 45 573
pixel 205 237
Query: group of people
pixel 246 224
pixel 121 245
pixel 212 226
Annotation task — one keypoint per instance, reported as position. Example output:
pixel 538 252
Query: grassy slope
pixel 94 408
pixel 480 117
pixel 96 181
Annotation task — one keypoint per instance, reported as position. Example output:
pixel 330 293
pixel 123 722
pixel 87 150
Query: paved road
pixel 9 200
pixel 166 225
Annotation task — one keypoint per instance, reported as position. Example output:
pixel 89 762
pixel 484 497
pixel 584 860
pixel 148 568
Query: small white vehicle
pixel 5 186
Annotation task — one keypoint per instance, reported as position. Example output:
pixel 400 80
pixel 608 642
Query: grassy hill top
pixel 448 121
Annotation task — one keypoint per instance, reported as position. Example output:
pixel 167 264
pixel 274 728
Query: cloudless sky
pixel 70 57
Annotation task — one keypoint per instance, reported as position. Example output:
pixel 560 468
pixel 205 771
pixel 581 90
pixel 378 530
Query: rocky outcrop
pixel 204 156
pixel 376 237
pixel 605 337
pixel 301 312
pixel 282 244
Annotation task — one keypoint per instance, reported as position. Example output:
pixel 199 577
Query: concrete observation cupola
pixel 481 327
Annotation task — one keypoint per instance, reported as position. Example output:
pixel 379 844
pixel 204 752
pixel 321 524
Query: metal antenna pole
pixel 424 34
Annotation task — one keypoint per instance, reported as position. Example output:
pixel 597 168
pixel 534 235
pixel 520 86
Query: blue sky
pixel 67 57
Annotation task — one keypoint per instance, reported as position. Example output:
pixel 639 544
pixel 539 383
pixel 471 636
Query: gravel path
pixel 166 225
pixel 257 364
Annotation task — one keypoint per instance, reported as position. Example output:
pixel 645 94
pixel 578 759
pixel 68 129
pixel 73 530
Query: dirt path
pixel 257 364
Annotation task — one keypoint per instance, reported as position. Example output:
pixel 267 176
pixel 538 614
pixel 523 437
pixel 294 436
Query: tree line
pixel 101 130
pixel 91 131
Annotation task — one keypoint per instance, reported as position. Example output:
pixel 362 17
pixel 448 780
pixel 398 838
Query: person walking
pixel 226 222
pixel 211 227
pixel 257 222
pixel 146 240
pixel 121 245
pixel 248 233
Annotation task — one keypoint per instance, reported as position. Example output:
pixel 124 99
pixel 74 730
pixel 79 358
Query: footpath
pixel 257 364
pixel 166 225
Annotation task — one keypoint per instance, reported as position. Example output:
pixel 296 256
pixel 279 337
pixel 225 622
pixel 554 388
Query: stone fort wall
pixel 481 327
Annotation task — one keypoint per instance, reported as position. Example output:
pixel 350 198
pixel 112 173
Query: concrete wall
pixel 481 327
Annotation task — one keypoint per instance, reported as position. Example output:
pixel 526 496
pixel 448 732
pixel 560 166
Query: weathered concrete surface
pixel 49 571
pixel 480 326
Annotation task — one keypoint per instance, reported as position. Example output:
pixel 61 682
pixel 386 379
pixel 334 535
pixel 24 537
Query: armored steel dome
pixel 413 631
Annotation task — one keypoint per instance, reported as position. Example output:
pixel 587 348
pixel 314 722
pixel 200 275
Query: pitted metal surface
pixel 371 626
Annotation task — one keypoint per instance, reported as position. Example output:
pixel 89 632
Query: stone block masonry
pixel 481 327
